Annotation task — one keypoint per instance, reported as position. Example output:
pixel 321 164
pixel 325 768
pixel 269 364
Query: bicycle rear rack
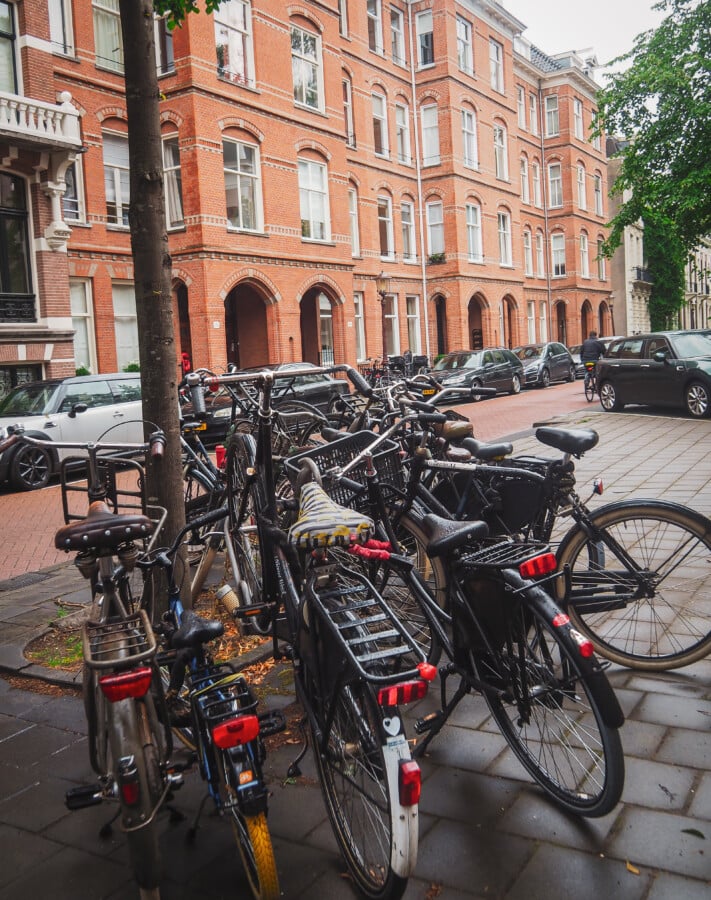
pixel 119 643
pixel 220 696
pixel 502 555
pixel 368 632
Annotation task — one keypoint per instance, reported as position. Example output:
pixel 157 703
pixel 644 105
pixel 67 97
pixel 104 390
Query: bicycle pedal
pixel 427 723
pixel 83 796
pixel 271 722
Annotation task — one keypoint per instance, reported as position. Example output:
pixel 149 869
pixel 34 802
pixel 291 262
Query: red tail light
pixel 585 646
pixel 539 565
pixel 125 685
pixel 240 730
pixel 405 692
pixel 409 782
pixel 130 792
pixel 427 671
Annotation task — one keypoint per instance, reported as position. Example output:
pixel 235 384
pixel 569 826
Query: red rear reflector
pixel 427 671
pixel 125 685
pixel 560 619
pixel 409 782
pixel 130 792
pixel 585 646
pixel 240 730
pixel 405 692
pixel 539 565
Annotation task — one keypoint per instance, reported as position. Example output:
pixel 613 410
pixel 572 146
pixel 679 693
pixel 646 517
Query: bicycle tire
pixel 181 709
pixel 551 719
pixel 590 389
pixel 354 781
pixel 669 625
pixel 255 848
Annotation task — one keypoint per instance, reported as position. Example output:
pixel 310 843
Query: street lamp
pixel 612 311
pixel 382 286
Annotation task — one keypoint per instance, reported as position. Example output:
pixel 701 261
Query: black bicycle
pixel 590 381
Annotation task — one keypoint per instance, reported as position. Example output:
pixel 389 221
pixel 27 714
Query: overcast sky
pixel 608 26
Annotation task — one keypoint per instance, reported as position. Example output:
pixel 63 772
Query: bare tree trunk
pixel 151 260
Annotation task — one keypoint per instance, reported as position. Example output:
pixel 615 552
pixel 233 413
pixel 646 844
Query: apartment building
pixel 341 178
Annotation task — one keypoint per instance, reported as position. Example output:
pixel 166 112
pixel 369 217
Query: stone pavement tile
pixel 679 712
pixel 478 800
pixel 701 804
pixel 657 785
pixel 629 699
pixel 687 748
pixel 641 739
pixel 462 748
pixel 304 872
pixel 673 887
pixel 66 713
pixel 36 805
pixel 30 748
pixel 22 852
pixel 554 873
pixel 678 684
pixel 535 816
pixel 656 840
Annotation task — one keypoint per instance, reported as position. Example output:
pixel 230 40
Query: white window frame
pixel 521 107
pixel 123 300
pixel 525 188
pixel 555 185
pixel 348 119
pixel 304 62
pixel 584 256
pixel 343 17
pixel 402 133
pixel 380 124
pixel 313 193
pixel 558 261
pixel 580 177
pixel 251 180
pixel 496 65
pixel 172 185
pixel 391 325
pixel 503 227
pixel 359 325
pixel 531 320
pixel 527 253
pixel 74 206
pixel 412 313
pixel 424 28
pixel 353 219
pixel 374 12
pixel 434 215
pixel 117 181
pixel 597 189
pixel 163 39
pixel 578 118
pixel 108 40
pixel 552 116
pixel 465 53
pixel 543 321
pixel 397 36
pixel 233 30
pixel 475 246
pixel 536 179
pixel 601 262
pixel 533 113
pixel 470 143
pixel 429 117
pixel 61 27
pixel 386 234
pixel 501 155
pixel 540 256
pixel 83 320
pixel 407 220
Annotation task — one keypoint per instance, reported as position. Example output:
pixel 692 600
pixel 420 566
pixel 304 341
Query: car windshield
pixel 459 361
pixel 30 399
pixel 528 352
pixel 688 346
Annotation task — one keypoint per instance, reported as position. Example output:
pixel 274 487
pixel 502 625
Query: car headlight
pixel 455 379
pixel 532 367
pixel 224 413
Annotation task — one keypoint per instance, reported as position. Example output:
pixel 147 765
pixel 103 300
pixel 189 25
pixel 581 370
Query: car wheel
pixel 30 468
pixel 515 384
pixel 571 373
pixel 476 384
pixel 544 379
pixel 608 397
pixel 696 398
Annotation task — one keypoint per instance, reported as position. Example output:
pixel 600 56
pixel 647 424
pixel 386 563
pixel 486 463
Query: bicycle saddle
pixel 194 630
pixel 570 440
pixel 323 523
pixel 484 450
pixel 446 535
pixel 102 529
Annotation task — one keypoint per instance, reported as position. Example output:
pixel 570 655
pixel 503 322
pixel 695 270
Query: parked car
pixel 666 368
pixel 575 353
pixel 495 367
pixel 546 362
pixel 317 389
pixel 81 408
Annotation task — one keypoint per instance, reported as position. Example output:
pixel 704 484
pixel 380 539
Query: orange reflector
pixel 427 671
pixel 123 685
pixel 233 732
pixel 405 692
pixel 409 782
pixel 246 777
pixel 539 565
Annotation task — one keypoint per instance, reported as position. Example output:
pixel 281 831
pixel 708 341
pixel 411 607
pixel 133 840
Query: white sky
pixel 608 26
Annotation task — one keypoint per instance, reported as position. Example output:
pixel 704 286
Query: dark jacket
pixel 592 350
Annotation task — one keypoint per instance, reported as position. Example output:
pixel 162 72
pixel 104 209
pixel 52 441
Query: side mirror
pixel 77 408
pixel 660 356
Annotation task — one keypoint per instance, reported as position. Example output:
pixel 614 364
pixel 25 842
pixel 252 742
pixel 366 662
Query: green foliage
pixel 662 104
pixel 665 261
pixel 82 370
pixel 132 367
pixel 177 10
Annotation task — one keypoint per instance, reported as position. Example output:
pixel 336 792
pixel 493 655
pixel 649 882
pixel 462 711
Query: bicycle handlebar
pixel 155 443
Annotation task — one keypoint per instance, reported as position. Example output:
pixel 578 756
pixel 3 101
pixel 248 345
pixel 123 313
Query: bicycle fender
pixel 405 827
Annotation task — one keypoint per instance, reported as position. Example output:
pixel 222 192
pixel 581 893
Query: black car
pixel 546 362
pixel 492 367
pixel 666 368
pixel 576 348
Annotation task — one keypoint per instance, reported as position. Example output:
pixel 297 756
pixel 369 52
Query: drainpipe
pixel 544 194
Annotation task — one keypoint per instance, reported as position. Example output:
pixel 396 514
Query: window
pixel 353 216
pixel 580 178
pixel 430 135
pixel 412 311
pixel 73 200
pixel 596 139
pixel 343 17
pixel 555 184
pixel 380 126
pixel 243 188
pixel 348 112
pixel 533 113
pixel 61 32
pixel 402 133
pixel 407 217
pixel 385 227
pixel 8 49
pixel 15 275
pixel 391 325
pixel 397 36
pixel 108 41
pixel 83 325
pixel 313 200
pixel 125 325
pixel 425 39
pixel 558 254
pixel 531 321
pixel 578 118
pixel 521 107
pixel 597 181
pixel 501 159
pixel 173 183
pixel 601 273
pixel 306 68
pixel 504 229
pixel 540 256
pixel 584 256
pixel 551 107
pixel 536 178
pixel 525 192
pixel 375 26
pixel 543 322
pixel 163 38
pixel 465 56
pixel 469 141
pixel 527 253
pixel 474 242
pixel 233 41
pixel 435 227
pixel 496 65
pixel 116 179
pixel 359 322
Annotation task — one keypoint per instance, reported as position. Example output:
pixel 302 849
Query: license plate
pixel 427 392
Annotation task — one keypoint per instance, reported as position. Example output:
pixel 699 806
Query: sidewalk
pixel 485 830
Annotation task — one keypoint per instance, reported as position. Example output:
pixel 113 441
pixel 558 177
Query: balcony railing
pixel 17 309
pixel 33 121
pixel 640 274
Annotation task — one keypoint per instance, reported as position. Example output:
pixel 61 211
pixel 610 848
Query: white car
pixel 81 408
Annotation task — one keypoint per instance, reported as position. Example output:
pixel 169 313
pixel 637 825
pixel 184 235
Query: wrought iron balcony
pixel 641 274
pixel 32 122
pixel 17 308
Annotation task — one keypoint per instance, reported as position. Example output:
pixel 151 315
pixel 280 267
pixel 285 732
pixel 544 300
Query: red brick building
pixel 308 149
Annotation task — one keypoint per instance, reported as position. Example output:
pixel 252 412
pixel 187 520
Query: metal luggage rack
pixel 119 643
pixel 351 490
pixel 502 554
pixel 371 636
pixel 230 695
pixel 123 478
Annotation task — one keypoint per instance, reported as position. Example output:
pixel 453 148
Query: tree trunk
pixel 152 262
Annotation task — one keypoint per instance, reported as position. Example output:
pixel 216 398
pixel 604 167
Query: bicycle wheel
pixel 548 713
pixel 639 587
pixel 590 388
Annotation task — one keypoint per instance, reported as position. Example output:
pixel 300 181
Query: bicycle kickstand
pixel 432 724
pixel 294 770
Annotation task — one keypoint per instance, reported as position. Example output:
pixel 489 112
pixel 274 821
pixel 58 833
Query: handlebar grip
pixel 197 395
pixel 422 406
pixel 157 443
pixel 359 383
pixel 8 442
pixel 434 418
pixel 482 392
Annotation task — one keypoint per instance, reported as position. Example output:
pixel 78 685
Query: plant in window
pixel 435 258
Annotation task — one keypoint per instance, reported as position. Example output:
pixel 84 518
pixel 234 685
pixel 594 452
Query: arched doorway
pixel 441 324
pixel 506 334
pixel 603 320
pixel 316 322
pixel 586 320
pixel 185 338
pixel 561 322
pixel 475 325
pixel 246 335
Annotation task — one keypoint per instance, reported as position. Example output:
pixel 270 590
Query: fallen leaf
pixel 630 868
pixel 695 832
